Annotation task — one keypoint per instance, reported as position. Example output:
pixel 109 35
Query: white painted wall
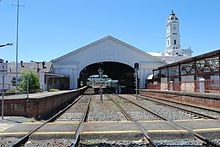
pixel 107 49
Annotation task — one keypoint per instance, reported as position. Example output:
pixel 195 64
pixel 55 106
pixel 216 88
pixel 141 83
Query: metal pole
pixel 136 79
pixel 28 86
pixel 3 93
pixel 17 44
pixel 100 79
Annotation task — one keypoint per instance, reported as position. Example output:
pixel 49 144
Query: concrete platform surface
pixel 36 95
pixel 10 121
pixel 110 128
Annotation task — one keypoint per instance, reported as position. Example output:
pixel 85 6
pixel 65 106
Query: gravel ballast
pixel 190 108
pixel 75 113
pixel 162 110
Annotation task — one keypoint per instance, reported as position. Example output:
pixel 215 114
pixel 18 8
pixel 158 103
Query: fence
pixel 202 86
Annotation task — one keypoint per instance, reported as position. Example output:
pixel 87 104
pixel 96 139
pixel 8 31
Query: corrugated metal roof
pixel 196 58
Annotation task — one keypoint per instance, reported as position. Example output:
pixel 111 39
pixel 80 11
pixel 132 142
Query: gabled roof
pixel 101 40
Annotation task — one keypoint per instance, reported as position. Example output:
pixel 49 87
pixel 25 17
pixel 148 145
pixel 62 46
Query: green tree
pixel 33 80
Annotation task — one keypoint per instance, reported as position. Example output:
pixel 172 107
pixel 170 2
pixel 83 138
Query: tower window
pixel 174 41
pixel 168 42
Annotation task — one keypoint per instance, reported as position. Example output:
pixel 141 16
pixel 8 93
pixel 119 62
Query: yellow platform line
pixel 53 133
pixel 13 133
pixel 144 121
pixel 152 121
pixel 191 120
pixel 110 132
pixel 124 121
pixel 52 123
pixel 207 129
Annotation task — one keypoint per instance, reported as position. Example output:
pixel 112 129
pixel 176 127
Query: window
pixel 174 41
pixel 167 42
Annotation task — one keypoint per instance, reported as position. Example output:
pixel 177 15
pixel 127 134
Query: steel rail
pixel 137 124
pixel 179 103
pixel 175 124
pixel 24 139
pixel 81 125
pixel 189 111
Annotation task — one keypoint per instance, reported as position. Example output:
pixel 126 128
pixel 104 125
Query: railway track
pixel 128 109
pixel 137 124
pixel 192 113
pixel 24 139
pixel 176 124
pixel 177 105
pixel 81 125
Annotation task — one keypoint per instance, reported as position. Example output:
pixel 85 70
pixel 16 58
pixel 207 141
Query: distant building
pixel 173 51
pixel 46 76
pixel 173 47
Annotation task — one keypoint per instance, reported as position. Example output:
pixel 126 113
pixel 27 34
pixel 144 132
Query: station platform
pixel 39 105
pixel 114 129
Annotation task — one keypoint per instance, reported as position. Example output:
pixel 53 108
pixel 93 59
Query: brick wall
pixel 209 101
pixel 41 106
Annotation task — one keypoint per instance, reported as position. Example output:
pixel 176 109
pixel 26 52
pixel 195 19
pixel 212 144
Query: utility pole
pixel 18 5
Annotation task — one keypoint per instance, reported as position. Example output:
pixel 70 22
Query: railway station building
pixel 115 57
pixel 197 74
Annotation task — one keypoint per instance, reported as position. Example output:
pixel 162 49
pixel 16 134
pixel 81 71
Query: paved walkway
pixel 10 121
pixel 34 95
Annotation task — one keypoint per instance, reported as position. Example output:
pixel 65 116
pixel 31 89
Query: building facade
pixel 195 74
pixel 48 80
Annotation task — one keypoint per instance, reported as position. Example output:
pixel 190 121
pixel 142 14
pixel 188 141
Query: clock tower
pixel 173 36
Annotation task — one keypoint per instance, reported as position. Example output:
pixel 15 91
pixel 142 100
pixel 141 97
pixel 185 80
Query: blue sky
pixel 51 28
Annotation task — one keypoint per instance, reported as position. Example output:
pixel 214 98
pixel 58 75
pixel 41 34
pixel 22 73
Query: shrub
pixel 33 82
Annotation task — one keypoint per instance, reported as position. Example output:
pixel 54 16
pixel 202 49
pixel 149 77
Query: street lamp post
pixel 3 70
pixel 8 44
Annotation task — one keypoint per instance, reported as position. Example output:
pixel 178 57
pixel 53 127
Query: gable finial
pixel 172 12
